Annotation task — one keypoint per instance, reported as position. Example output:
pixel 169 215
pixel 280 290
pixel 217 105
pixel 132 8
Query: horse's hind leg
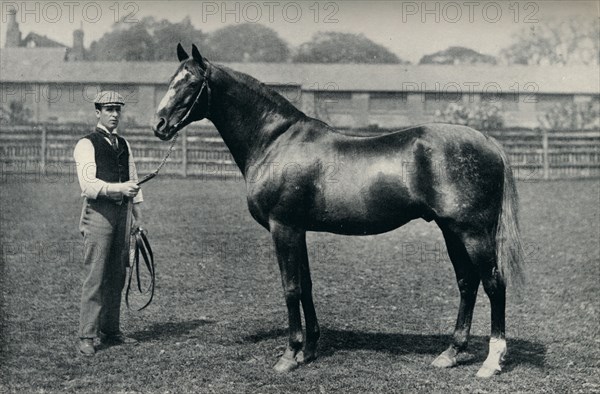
pixel 467 276
pixel 495 289
pixel 290 247
pixel 481 247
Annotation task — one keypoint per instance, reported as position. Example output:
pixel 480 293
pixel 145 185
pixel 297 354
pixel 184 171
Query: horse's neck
pixel 247 122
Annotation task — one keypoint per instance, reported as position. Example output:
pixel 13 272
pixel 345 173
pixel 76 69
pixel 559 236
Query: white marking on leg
pixel 493 363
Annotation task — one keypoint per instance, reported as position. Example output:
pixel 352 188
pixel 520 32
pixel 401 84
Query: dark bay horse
pixel 450 174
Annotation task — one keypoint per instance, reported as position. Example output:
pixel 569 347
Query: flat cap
pixel 109 97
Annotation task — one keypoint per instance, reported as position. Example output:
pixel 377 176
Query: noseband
pixel 197 100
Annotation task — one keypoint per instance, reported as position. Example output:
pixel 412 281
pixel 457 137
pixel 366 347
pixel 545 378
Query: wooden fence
pixel 200 151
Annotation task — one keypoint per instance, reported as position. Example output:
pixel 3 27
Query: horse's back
pixel 364 185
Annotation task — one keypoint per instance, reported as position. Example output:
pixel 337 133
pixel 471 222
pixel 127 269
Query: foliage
pixel 147 40
pixel 247 42
pixel 133 44
pixel 573 116
pixel 569 41
pixel 457 55
pixel 16 114
pixel 166 34
pixel 335 47
pixel 483 116
pixel 152 40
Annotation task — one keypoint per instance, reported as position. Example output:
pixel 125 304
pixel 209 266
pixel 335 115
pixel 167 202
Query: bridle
pixel 142 245
pixel 204 85
pixel 197 99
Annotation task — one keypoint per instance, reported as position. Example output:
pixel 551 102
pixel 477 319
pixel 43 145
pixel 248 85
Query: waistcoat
pixel 111 166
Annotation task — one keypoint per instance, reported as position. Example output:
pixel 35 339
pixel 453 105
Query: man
pixel 107 176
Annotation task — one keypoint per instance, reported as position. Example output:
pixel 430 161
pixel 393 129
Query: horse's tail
pixel 509 251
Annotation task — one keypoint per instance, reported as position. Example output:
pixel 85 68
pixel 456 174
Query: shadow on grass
pixel 169 329
pixel 520 351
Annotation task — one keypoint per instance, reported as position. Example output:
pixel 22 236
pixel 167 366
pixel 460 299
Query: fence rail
pixel 201 152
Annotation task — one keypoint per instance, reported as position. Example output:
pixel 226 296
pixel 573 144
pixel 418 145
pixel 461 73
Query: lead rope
pixel 141 241
pixel 142 246
pixel 162 163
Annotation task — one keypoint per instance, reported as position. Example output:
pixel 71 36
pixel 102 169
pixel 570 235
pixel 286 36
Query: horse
pixel 456 176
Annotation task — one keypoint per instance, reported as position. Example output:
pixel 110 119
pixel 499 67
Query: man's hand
pixel 129 189
pixel 137 215
pixel 116 191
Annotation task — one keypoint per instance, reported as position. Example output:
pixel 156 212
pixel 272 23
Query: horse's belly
pixel 371 208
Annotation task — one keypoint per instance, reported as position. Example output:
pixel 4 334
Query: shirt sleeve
pixel 85 163
pixel 133 175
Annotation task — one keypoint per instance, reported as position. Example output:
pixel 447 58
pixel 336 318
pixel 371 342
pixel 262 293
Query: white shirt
pixel 85 160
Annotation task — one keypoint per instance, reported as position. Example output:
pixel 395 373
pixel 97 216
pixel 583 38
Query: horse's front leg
pixel 290 246
pixel 313 332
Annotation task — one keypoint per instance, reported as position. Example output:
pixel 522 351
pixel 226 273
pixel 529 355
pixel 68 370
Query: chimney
pixel 77 53
pixel 13 34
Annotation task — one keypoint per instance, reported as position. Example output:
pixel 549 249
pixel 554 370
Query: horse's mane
pixel 261 91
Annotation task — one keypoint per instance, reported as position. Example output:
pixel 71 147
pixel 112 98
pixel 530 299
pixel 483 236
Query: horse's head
pixel 188 97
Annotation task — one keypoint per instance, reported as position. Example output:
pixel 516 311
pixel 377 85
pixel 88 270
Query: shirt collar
pixel 101 126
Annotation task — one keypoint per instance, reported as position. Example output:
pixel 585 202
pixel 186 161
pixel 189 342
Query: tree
pixel 457 55
pixel 167 35
pixel 246 43
pixel 571 41
pixel 132 44
pixel 146 40
pixel 334 47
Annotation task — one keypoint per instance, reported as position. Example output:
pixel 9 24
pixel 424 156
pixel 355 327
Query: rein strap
pixel 142 246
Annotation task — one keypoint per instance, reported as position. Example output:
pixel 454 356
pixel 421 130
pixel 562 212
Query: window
pixel 129 92
pixel 545 102
pixel 387 101
pixel 72 97
pixel 334 101
pixel 290 93
pixel 440 100
pixel 505 101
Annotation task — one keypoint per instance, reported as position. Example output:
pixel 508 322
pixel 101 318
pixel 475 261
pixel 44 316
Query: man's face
pixel 109 116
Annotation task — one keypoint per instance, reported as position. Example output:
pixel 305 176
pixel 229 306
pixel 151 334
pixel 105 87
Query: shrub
pixel 15 114
pixel 479 116
pixel 573 116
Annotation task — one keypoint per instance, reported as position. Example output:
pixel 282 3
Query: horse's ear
pixel 197 56
pixel 181 53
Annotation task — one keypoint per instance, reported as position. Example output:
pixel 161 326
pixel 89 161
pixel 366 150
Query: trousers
pixel 102 225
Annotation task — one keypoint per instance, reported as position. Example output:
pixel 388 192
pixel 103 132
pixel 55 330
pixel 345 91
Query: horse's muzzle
pixel 159 126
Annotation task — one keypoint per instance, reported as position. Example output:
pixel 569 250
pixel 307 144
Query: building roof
pixel 23 64
pixel 47 65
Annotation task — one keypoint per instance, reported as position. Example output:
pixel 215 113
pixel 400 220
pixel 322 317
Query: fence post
pixel 545 153
pixel 184 152
pixel 43 148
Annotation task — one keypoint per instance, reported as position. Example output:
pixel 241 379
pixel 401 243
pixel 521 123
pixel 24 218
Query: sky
pixel 410 29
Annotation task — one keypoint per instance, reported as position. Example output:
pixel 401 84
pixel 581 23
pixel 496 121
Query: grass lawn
pixel 387 304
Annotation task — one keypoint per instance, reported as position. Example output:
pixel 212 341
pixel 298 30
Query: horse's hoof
pixel 487 371
pixel 285 365
pixel 305 357
pixel 287 362
pixel 444 361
